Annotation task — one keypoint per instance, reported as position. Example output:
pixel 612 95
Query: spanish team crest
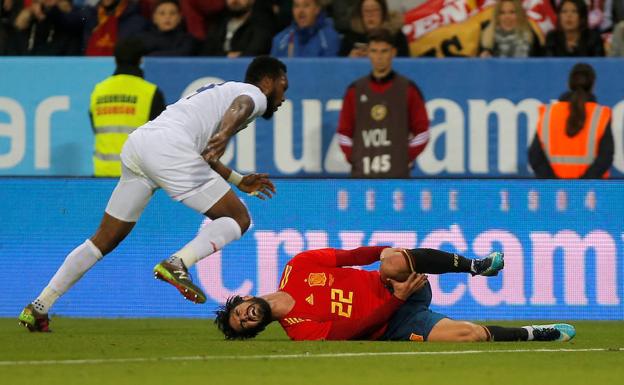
pixel 317 279
pixel 379 112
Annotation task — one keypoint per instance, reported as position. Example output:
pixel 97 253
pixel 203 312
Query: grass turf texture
pixel 142 351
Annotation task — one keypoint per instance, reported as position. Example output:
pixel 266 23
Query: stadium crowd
pixel 293 28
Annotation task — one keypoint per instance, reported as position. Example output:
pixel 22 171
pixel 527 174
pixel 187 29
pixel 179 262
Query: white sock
pixel 81 259
pixel 529 329
pixel 212 237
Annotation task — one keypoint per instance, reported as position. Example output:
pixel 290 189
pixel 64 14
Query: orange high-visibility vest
pixel 571 157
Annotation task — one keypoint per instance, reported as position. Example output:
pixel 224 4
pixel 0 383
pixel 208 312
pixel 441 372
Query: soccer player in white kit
pixel 179 152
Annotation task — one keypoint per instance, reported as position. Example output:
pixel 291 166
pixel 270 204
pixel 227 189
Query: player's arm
pixel 233 121
pixel 360 256
pixel 254 184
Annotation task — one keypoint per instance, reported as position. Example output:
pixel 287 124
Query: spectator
pixel 369 15
pixel 617 40
pixel 8 12
pixel 310 35
pixel 341 12
pixel 104 25
pixel 509 34
pixel 201 15
pixel 239 33
pixel 572 36
pixel 282 14
pixel 167 36
pixel 614 11
pixel 574 138
pixel 383 124
pixel 119 105
pixel 37 34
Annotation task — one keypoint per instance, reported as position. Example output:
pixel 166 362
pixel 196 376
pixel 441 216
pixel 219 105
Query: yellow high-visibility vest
pixel 118 106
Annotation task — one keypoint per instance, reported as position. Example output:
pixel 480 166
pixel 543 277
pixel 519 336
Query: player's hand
pixel 216 146
pixel 258 185
pixel 413 283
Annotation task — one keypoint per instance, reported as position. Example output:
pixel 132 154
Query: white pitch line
pixel 293 356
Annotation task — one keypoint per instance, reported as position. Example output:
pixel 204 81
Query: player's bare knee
pixel 393 265
pixel 465 332
pixel 473 333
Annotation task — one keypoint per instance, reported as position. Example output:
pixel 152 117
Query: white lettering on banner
pixel 405 239
pixel 617 126
pixel 544 246
pixel 543 21
pixel 453 12
pixel 283 138
pixel 269 243
pixel 335 161
pixel 507 114
pixel 451 130
pixel 434 240
pixel 351 239
pixel 512 291
pixel 246 149
pixel 43 118
pixel 15 130
pixel 209 272
pixel 574 248
pixel 199 83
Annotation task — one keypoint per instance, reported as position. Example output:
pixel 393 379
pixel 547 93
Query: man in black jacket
pixel 239 33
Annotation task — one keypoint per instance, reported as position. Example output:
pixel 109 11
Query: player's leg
pixel 448 330
pixel 126 204
pixel 414 321
pixel 399 263
pixel 461 331
pixel 230 220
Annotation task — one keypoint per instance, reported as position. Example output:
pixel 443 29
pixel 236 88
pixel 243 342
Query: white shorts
pixel 175 167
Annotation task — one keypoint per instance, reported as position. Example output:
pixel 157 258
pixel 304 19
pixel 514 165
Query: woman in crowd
pixel 509 34
pixel 369 15
pixel 572 36
pixel 574 138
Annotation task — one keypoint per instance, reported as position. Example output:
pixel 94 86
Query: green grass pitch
pixel 191 351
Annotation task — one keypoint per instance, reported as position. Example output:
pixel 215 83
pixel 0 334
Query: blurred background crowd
pixel 314 28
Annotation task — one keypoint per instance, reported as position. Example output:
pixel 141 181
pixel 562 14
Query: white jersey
pixel 167 150
pixel 198 116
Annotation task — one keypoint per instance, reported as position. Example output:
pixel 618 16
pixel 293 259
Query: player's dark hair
pixel 580 82
pixel 381 35
pixel 222 321
pixel 263 66
pixel 129 51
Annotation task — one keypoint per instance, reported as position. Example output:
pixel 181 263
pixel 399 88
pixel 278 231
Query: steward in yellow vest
pixel 119 105
pixel 574 138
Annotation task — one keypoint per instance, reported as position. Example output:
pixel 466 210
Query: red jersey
pixel 334 302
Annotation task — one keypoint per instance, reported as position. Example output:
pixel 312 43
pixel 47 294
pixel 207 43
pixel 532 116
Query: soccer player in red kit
pixel 320 298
